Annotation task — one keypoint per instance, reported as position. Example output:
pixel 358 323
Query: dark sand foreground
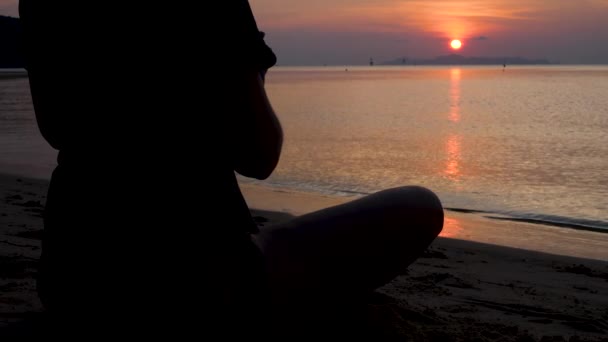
pixel 460 290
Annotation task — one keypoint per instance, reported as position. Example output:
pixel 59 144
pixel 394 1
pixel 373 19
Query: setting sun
pixel 456 44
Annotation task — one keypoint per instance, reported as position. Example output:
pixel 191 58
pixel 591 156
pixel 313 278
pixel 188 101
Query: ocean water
pixel 524 142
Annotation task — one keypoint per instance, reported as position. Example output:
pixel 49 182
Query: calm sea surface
pixel 527 142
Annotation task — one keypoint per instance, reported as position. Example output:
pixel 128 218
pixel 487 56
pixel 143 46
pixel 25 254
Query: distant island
pixel 462 60
pixel 10 34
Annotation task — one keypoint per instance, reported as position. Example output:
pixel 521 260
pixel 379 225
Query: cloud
pixel 481 38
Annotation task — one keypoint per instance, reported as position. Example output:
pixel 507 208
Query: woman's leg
pixel 350 249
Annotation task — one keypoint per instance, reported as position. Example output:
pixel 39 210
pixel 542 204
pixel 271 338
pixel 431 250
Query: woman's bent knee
pixel 415 203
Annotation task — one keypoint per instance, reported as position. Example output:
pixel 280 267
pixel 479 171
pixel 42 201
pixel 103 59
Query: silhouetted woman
pixel 146 229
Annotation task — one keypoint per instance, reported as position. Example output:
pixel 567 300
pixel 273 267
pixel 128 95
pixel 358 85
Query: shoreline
pixel 496 216
pixel 546 220
pixel 9 73
pixel 459 224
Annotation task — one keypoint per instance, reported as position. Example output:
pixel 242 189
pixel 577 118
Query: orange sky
pixel 564 30
pixel 447 17
pixel 352 31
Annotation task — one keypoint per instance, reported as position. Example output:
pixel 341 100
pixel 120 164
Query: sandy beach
pixel 22 203
pixel 483 280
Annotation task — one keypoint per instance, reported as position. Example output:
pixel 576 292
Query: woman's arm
pixel 259 148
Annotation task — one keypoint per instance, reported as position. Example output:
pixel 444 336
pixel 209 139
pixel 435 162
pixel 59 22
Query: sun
pixel 456 44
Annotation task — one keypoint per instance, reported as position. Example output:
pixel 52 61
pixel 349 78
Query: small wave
pixel 548 220
pixel 558 221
